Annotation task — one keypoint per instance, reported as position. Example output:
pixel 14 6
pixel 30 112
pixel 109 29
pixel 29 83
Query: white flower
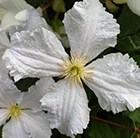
pixel 134 5
pixel 115 78
pixel 20 113
pixel 8 11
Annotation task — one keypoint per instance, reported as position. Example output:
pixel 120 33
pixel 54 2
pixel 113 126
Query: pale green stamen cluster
pixel 75 69
pixel 15 111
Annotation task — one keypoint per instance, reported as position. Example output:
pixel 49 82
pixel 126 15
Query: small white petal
pixel 30 20
pixel 22 15
pixel 115 81
pixel 90 28
pixel 34 20
pixel 4 44
pixel 134 5
pixel 3 116
pixel 31 99
pixel 9 20
pixel 14 5
pixel 5 80
pixel 36 124
pixel 35 54
pixel 4 41
pixel 2 13
pixel 8 91
pixel 8 9
pixel 14 129
pixel 67 107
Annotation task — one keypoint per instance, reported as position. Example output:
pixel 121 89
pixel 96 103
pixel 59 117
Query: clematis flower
pixel 20 113
pixel 114 78
pixel 134 5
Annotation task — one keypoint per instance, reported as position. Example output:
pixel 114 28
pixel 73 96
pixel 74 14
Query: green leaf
pixel 129 44
pixel 24 84
pixel 135 115
pixel 36 3
pixel 136 57
pixel 129 22
pixel 99 129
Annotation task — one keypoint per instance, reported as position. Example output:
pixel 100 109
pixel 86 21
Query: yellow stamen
pixel 75 69
pixel 15 111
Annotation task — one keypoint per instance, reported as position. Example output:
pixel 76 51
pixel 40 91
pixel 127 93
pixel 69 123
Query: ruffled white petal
pixel 90 28
pixel 36 124
pixel 14 5
pixel 115 80
pixel 14 129
pixel 36 54
pixel 134 5
pixel 3 116
pixel 31 99
pixel 67 107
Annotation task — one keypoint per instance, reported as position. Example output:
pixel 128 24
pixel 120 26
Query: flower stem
pixel 47 5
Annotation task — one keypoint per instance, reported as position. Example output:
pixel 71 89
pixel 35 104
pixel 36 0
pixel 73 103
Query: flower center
pixel 75 69
pixel 15 111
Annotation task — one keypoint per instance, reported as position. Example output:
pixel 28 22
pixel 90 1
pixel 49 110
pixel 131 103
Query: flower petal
pixel 14 5
pixel 115 81
pixel 2 13
pixel 35 54
pixel 30 20
pixel 3 116
pixel 8 91
pixel 31 99
pixel 33 19
pixel 67 107
pixel 4 41
pixel 134 6
pixel 36 124
pixel 90 28
pixel 4 44
pixel 9 20
pixel 14 129
pixel 4 77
